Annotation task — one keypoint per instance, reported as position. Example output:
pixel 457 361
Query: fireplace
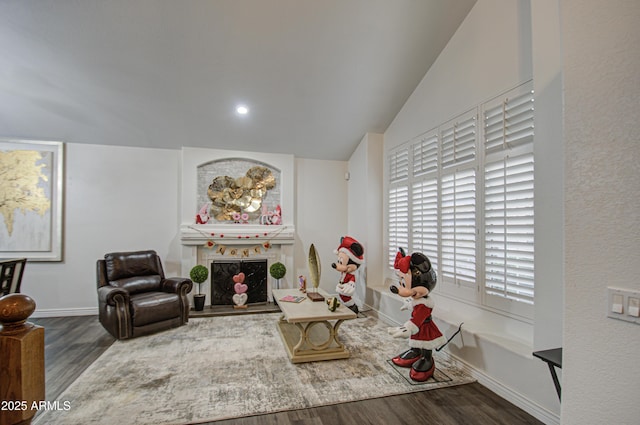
pixel 222 283
pixel 236 243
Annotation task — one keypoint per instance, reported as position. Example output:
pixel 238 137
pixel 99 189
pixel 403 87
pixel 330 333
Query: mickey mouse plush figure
pixel 350 257
pixel 416 280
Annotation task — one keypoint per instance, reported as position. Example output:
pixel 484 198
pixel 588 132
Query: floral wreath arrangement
pixel 240 201
pixel 240 198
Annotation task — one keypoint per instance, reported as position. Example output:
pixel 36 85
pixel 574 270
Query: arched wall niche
pixel 217 193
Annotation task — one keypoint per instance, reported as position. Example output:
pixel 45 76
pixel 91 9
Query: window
pixel 508 202
pixel 424 219
pixel 463 195
pixel 424 197
pixel 508 215
pixel 398 202
pixel 458 228
pixel 458 199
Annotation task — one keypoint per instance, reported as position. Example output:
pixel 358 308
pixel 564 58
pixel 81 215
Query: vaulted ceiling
pixel 316 75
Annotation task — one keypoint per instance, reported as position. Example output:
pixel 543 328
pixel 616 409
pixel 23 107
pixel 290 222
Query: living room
pixel 122 192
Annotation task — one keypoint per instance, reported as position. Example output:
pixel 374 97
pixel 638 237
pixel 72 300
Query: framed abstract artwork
pixel 31 199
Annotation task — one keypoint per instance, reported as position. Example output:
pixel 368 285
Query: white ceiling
pixel 316 74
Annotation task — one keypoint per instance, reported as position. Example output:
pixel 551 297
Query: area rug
pixel 226 367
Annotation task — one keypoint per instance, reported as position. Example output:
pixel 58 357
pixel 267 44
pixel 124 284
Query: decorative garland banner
pixel 235 252
pixel 239 252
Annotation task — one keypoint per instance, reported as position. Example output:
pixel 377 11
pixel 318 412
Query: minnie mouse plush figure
pixel 416 280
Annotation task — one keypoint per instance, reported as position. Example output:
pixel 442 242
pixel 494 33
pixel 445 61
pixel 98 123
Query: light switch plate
pixel 617 303
pixel 623 304
pixel 633 308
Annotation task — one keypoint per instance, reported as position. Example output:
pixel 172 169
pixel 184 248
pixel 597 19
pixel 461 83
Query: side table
pixel 553 358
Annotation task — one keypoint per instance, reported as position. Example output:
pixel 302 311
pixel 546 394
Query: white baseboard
pixel 60 312
pixel 367 309
pixel 507 393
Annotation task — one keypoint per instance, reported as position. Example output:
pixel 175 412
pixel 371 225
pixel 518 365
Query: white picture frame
pixel 31 199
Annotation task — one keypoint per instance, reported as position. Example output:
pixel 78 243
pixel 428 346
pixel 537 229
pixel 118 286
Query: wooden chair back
pixel 11 275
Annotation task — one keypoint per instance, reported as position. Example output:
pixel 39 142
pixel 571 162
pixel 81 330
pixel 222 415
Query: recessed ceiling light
pixel 242 110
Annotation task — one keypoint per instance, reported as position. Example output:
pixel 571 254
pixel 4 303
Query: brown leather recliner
pixel 135 298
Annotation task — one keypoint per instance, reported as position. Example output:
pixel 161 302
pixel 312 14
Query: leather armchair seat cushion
pixel 150 307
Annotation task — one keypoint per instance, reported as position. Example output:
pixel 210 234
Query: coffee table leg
pixel 303 347
pixel 305 336
pixel 334 333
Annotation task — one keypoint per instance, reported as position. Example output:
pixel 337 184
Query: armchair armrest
pixel 176 284
pixel 107 295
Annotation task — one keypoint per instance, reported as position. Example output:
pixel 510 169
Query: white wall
pixel 601 57
pixel 365 208
pixel 548 151
pixel 121 199
pixel 490 53
pixel 321 215
pixel 116 199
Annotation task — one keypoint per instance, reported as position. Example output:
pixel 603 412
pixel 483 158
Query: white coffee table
pixel 306 328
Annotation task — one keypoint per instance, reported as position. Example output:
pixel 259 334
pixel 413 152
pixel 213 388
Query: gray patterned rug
pixel 225 367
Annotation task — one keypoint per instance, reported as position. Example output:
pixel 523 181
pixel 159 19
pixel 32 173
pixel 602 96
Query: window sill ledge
pixel 478 324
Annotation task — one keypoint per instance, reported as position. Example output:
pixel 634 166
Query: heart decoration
pixel 239 278
pixel 240 299
pixel 240 288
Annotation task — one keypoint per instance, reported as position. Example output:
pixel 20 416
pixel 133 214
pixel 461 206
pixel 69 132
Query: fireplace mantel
pixel 241 234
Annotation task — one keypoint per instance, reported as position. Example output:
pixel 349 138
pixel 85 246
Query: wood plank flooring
pixel 73 343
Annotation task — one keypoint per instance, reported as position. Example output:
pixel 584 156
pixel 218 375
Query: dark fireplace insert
pixel 222 284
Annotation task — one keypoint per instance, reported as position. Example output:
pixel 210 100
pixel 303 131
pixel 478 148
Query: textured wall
pixel 602 216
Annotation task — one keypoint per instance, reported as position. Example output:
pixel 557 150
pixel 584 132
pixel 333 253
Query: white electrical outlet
pixel 623 304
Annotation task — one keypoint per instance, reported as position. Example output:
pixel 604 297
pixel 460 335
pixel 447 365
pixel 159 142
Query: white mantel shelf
pixel 236 234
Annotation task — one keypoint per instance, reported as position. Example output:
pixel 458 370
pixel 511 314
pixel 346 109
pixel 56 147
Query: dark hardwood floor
pixel 73 343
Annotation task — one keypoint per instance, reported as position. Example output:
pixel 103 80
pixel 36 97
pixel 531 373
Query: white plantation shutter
pixel 424 219
pixel 509 201
pixel 458 140
pixel 458 214
pixel 458 199
pixel 425 155
pixel 509 219
pixel 398 203
pixel 398 224
pixel 399 165
pixel 462 194
pixel 508 120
